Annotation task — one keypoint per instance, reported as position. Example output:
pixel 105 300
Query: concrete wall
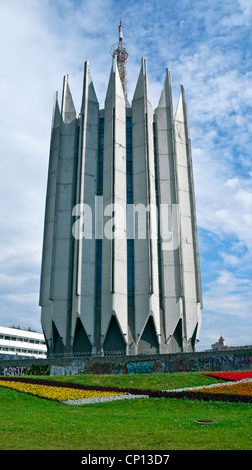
pixel 226 359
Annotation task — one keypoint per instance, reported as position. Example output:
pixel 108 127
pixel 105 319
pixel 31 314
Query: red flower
pixel 232 376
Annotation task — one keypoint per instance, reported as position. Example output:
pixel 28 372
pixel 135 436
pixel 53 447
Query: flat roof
pixel 12 331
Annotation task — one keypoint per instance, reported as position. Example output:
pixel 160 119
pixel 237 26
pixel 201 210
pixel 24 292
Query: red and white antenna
pixel 120 27
pixel 120 51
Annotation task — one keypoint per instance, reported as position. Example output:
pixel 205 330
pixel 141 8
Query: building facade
pixel 120 266
pixel 18 342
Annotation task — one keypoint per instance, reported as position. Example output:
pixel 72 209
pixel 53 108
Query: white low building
pixel 21 342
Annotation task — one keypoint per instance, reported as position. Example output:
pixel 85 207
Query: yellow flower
pixel 55 393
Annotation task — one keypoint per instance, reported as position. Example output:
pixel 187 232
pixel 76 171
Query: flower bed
pixel 233 376
pixel 67 392
pixel 232 392
pixel 55 392
pixel 238 388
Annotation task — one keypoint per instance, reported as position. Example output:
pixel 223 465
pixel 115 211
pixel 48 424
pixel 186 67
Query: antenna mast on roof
pixel 121 53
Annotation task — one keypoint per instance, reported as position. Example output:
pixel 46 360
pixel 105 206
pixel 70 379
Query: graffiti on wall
pixel 180 363
pixel 147 367
pixel 131 367
pixel 218 362
pixel 11 371
pixel 77 367
pixel 224 360
pixel 242 360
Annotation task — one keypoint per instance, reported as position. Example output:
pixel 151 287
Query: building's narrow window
pixel 98 272
pixel 129 160
pixel 99 193
pixel 130 242
pixel 130 270
pixel 100 158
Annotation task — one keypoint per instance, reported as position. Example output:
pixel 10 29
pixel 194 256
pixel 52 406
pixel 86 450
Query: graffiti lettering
pixel 11 371
pixel 140 367
pixel 72 369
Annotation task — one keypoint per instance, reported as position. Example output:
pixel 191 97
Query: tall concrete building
pixel 120 265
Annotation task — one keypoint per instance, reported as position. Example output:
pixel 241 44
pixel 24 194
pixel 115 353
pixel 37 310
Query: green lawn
pixel 33 423
pixel 145 381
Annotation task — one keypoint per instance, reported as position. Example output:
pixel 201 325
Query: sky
pixel 207 45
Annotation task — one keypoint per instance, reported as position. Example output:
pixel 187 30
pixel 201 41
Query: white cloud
pixel 242 18
pixel 227 311
pixel 230 260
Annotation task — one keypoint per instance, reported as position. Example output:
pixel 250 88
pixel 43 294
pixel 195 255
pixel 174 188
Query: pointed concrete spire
pixel 188 226
pixel 56 112
pixel 142 88
pixel 181 108
pixel 114 252
pixel 68 109
pixel 84 250
pixel 115 84
pixel 110 87
pixel 145 250
pixel 166 95
pixel 88 87
pixel 45 280
pixel 166 157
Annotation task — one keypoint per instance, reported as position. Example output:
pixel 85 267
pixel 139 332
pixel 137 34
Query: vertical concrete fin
pixel 88 93
pixel 114 252
pixel 145 248
pixel 84 247
pixel 45 278
pixel 68 111
pixel 166 94
pixel 193 206
pixel 62 262
pixel 111 85
pixel 192 296
pixel 114 85
pixel 49 225
pixel 142 87
pixel 179 116
pixel 56 112
pixel 193 202
pixel 118 82
pixel 168 196
pixel 88 123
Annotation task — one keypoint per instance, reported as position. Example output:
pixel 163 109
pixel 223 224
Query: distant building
pixel 219 344
pixel 21 342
